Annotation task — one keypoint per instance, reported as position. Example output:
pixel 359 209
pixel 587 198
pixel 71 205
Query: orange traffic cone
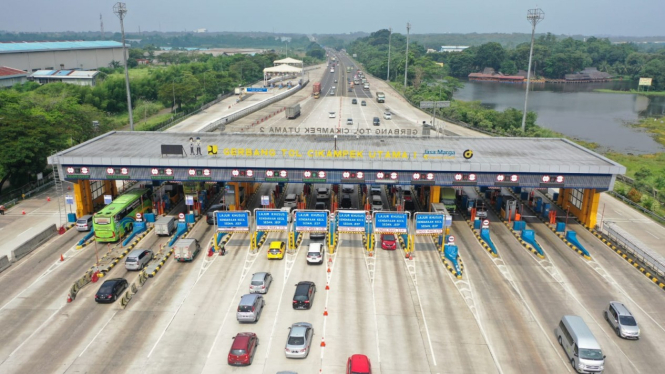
pixel 48 198
pixel 325 312
pixel 327 287
pixel 370 254
pixel 323 342
pixel 69 298
pixel 328 270
pixel 62 258
pixel 329 259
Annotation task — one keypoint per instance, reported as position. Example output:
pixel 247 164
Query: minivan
pixel 622 321
pixel 290 200
pixel 250 307
pixel 137 259
pixel 260 282
pixel 84 223
pixel 580 345
pixel 315 253
pixel 377 203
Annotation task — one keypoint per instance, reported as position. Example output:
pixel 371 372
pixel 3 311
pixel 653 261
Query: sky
pixel 571 17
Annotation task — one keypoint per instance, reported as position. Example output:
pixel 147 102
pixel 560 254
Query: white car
pixel 387 115
pixel 331 115
pixel 349 121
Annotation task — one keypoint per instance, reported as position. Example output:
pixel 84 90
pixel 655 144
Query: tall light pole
pixel 120 10
pixel 406 63
pixel 389 37
pixel 534 16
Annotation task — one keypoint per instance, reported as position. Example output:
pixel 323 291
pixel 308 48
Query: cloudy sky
pixel 587 17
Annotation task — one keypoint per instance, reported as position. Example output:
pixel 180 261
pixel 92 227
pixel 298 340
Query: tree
pixel 490 55
pixel 508 67
pixel 655 69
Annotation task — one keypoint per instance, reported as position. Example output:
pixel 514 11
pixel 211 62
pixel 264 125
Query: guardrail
pixel 633 246
pixel 252 108
pixel 637 206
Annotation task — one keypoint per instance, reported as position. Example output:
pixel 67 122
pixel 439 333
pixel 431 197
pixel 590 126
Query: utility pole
pixel 389 38
pixel 406 63
pixel 120 10
pixel 534 16
pixel 101 24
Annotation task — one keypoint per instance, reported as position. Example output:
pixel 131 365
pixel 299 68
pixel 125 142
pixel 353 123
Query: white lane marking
pixel 30 228
pixel 34 332
pixel 96 335
pixel 649 232
pixel 201 273
pixel 422 311
pixel 249 261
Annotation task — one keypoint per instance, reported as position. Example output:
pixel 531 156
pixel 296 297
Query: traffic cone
pixel 323 342
pixel 62 258
pixel 329 259
pixel 69 298
pixel 370 254
pixel 23 212
pixel 325 312
pixel 328 270
pixel 327 287
pixel 48 198
pixel 210 252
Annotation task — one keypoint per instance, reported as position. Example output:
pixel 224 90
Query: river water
pixel 575 110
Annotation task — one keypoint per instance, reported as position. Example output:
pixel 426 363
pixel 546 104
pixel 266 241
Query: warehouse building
pixel 83 55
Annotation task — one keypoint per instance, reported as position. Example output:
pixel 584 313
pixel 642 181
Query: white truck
pixel 237 90
pixel 293 111
pixel 186 249
pixel 380 97
pixel 165 226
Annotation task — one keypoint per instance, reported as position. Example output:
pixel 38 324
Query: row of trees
pixel 429 80
pixel 36 121
pixel 553 58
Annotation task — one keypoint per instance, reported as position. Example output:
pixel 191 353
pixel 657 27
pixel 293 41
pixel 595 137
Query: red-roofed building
pixel 490 75
pixel 10 76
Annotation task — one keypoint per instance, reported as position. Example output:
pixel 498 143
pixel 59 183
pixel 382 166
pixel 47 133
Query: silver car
pixel 260 282
pixel 622 321
pixel 299 340
pixel 138 259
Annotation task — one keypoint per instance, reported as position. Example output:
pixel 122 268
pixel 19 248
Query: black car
pixel 304 296
pixel 346 202
pixel 354 101
pixel 317 237
pixel 110 290
pixel 210 216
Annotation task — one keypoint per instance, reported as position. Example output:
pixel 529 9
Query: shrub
pixel 634 195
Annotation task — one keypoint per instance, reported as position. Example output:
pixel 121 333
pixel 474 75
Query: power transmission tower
pixel 534 16
pixel 406 63
pixel 120 10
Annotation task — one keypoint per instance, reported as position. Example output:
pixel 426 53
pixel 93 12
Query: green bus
pixel 114 220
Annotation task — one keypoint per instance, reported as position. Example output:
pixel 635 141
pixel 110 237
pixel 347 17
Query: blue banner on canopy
pixel 390 222
pixel 232 221
pixel 429 223
pixel 272 220
pixel 311 221
pixel 351 221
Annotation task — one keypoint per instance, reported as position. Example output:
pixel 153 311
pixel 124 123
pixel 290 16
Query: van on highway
pixel 165 226
pixel 250 308
pixel 84 223
pixel 580 345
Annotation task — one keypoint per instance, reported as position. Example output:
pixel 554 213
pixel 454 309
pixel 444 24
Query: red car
pixel 388 241
pixel 243 348
pixel 358 364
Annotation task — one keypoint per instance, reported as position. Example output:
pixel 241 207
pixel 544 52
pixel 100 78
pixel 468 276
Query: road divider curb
pixel 451 269
pixel 481 241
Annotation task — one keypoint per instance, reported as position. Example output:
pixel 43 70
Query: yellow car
pixel 277 250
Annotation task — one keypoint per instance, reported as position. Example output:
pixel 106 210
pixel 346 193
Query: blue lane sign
pixel 390 222
pixel 272 220
pixel 429 223
pixel 311 221
pixel 232 221
pixel 351 221
pixel 256 89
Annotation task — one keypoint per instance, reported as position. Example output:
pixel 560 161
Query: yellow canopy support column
pixel 590 208
pixel 83 198
pixel 434 196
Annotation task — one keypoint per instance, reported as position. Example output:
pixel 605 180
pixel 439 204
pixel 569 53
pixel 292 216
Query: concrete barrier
pixel 32 244
pixel 4 263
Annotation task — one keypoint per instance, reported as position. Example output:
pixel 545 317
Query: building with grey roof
pixel 77 77
pixel 83 55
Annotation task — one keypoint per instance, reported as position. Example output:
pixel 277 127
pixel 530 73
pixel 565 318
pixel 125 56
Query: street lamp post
pixel 534 16
pixel 406 62
pixel 389 38
pixel 120 10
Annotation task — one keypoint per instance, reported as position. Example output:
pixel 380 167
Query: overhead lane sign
pixel 350 221
pixel 237 221
pixel 390 222
pixel 429 223
pixel 271 220
pixel 311 221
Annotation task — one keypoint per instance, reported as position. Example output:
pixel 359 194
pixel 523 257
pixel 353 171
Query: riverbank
pixel 654 126
pixel 631 92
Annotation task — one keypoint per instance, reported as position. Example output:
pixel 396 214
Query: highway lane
pixel 457 339
pixel 403 341
pixel 506 320
pixel 351 326
pixel 592 292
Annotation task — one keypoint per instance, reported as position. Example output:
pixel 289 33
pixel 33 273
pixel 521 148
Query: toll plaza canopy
pixel 327 155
